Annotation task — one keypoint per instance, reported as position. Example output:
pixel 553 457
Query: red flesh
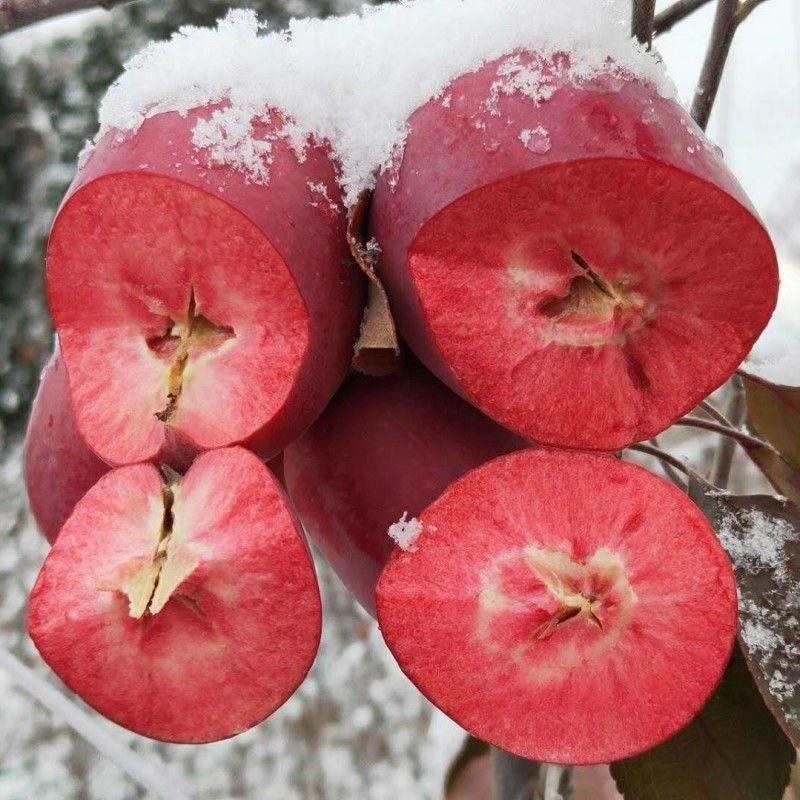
pixel 569 608
pixel 232 640
pixel 59 466
pixel 151 226
pixel 384 446
pixel 477 230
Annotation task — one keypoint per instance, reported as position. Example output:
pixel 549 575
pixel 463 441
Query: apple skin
pixel 306 229
pixel 384 447
pixel 457 146
pixel 59 465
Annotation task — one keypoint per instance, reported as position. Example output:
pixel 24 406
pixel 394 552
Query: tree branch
pixel 725 22
pixel 662 455
pixel 669 470
pixel 678 11
pixel 15 14
pixel 733 433
pixel 735 410
pixel 642 12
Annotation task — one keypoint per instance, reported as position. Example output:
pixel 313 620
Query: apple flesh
pixel 197 306
pixel 584 269
pixel 186 611
pixel 59 466
pixel 384 447
pixel 566 607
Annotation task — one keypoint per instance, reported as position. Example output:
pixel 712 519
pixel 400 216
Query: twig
pixel 745 439
pixel 664 456
pixel 712 412
pixel 642 12
pixel 725 22
pixel 15 14
pixel 678 11
pixel 747 8
pixel 736 410
pixel 669 470
pixel 150 776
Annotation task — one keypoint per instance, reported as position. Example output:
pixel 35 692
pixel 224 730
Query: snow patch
pixel 405 532
pixel 776 356
pixel 537 139
pixel 354 80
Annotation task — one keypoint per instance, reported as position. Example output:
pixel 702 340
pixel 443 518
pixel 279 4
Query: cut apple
pixel 570 254
pixel 186 611
pixel 59 466
pixel 385 447
pixel 198 307
pixel 568 608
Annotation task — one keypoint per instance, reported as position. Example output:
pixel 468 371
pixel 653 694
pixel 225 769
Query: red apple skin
pixel 305 228
pixel 456 146
pixel 384 447
pixel 59 466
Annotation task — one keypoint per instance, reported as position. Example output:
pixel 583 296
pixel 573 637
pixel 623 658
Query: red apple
pixel 59 466
pixel 582 266
pixel 566 607
pixel 188 611
pixel 199 305
pixel 384 447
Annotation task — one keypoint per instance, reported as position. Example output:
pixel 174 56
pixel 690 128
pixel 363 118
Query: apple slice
pixel 187 611
pixel 569 608
pixel 569 253
pixel 385 447
pixel 197 305
pixel 59 466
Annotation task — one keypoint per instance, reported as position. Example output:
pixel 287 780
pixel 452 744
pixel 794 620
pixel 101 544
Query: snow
pixel 537 139
pixel 354 80
pixel 405 531
pixel 776 356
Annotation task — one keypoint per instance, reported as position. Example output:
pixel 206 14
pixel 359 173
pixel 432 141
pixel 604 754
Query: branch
pixel 725 22
pixel 745 439
pixel 735 410
pixel 15 14
pixel 747 8
pixel 714 414
pixel 642 13
pixel 663 455
pixel 678 11
pixel 669 470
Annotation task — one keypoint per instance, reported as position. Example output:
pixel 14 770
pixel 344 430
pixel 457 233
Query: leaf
pixel 733 750
pixel 774 413
pixel 377 351
pixel 762 536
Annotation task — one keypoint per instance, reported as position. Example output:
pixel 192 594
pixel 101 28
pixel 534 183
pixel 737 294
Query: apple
pixel 186 610
pixel 59 466
pixel 199 305
pixel 565 607
pixel 385 447
pixel 579 264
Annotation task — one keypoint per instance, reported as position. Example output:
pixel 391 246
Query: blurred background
pixel 356 728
